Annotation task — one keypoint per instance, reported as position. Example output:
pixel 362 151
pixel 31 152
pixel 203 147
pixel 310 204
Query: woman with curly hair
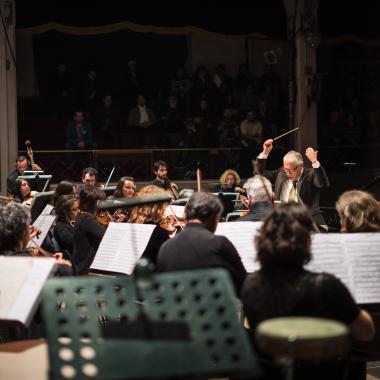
pixel 152 213
pixel 283 287
pixel 358 212
pixel 229 181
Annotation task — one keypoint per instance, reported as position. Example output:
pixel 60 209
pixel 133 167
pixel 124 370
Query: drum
pixel 303 338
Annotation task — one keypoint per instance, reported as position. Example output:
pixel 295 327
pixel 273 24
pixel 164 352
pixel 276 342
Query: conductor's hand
pixel 267 146
pixel 312 155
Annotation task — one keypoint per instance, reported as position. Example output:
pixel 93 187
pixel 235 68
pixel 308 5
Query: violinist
pixel 153 213
pixel 260 199
pixel 88 233
pixel 22 163
pixel 23 193
pixel 125 188
pixel 15 234
pixel 160 170
pixel 66 209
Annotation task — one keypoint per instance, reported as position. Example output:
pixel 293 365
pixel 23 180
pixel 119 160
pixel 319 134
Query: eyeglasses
pixel 289 171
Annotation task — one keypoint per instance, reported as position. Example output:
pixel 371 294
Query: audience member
pixel 79 133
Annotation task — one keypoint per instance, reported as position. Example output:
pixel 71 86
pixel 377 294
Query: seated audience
pixel 283 287
pixel 196 247
pixel 358 212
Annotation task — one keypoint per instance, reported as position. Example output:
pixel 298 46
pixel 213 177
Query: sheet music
pixel 179 211
pixel 363 250
pixel 12 276
pixel 329 255
pixel 353 258
pixel 121 247
pixel 242 235
pixel 26 300
pixel 43 223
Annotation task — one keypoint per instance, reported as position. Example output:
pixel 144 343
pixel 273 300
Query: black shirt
pixel 162 185
pixel 88 234
pixel 64 234
pixel 198 248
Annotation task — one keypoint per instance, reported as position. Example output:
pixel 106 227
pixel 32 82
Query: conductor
pixel 294 182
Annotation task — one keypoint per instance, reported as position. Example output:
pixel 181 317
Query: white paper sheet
pixel 121 247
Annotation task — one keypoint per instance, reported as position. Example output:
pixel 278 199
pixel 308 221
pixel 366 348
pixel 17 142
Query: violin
pixel 171 224
pixel 104 217
pixel 38 251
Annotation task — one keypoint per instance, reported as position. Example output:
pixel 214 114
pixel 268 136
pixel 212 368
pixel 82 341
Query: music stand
pixel 39 202
pixel 95 328
pixel 228 200
pixel 108 190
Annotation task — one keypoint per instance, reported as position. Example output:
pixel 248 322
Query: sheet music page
pixel 27 300
pixel 12 276
pixel 121 247
pixel 242 235
pixel 43 223
pixel 47 210
pixel 329 255
pixel 179 211
pixel 363 251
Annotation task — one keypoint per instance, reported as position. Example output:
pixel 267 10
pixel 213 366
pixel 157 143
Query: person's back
pixel 196 247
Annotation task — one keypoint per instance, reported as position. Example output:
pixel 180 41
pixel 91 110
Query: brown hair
pixel 148 212
pixel 284 238
pixel 358 212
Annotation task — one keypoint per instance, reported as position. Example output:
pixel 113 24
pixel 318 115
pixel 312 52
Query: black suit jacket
pixel 308 187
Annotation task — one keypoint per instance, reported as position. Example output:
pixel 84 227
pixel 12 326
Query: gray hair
pixel 14 220
pixel 185 193
pixel 294 157
pixel 203 206
pixel 258 188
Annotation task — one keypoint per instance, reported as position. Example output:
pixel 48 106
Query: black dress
pixel 64 234
pixel 88 234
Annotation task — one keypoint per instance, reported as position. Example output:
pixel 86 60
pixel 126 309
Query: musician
pixel 89 179
pixel 23 194
pixel 63 188
pixel 196 247
pixel 283 287
pixel 358 212
pixel 66 210
pixel 125 188
pixel 15 233
pixel 260 199
pixel 160 170
pixel 294 182
pixel 229 183
pixel 152 213
pixel 88 233
pixel 22 164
